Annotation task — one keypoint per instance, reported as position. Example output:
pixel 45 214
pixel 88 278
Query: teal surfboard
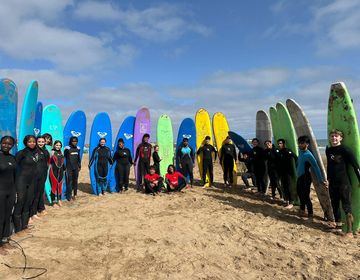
pixel 165 140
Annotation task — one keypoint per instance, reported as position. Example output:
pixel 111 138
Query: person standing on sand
pixel 306 161
pixel 257 157
pixel 7 189
pixel 186 157
pixel 286 161
pixel 56 173
pixel 143 153
pixel 227 160
pixel 73 167
pixel 339 158
pixel 271 157
pixel 156 159
pixel 207 150
pixel 153 182
pixel 101 156
pixel 123 160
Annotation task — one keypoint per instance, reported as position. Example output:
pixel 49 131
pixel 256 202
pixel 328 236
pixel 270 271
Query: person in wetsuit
pixel 156 159
pixel 339 158
pixel 143 153
pixel 73 167
pixel 175 181
pixel 122 158
pixel 286 161
pixel 244 157
pixel 186 158
pixel 38 205
pixel 7 189
pixel 56 173
pixel 101 156
pixel 227 159
pixel 26 161
pixel 153 182
pixel 257 157
pixel 207 150
pixel 305 161
pixel 272 156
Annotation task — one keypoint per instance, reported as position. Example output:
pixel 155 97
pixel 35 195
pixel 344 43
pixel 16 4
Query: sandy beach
pixel 198 234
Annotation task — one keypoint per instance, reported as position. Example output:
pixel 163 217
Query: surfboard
pixel 126 132
pixel 165 140
pixel 142 126
pixel 221 131
pixel 286 131
pixel 27 119
pixel 8 109
pixel 263 127
pixel 52 124
pixel 342 116
pixel 186 130
pixel 203 129
pixel 274 124
pixel 101 128
pixel 38 119
pixel 75 126
pixel 303 127
pixel 240 142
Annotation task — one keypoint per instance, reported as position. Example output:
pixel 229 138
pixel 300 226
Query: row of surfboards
pixel 286 122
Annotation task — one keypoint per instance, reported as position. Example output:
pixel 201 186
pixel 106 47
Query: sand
pixel 198 234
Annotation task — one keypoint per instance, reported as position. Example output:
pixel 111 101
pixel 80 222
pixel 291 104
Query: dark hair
pixel 267 141
pixel 337 131
pixel 255 139
pixel 7 137
pixel 152 167
pixel 47 135
pixel 120 141
pixel 57 141
pixel 145 135
pixel 40 137
pixel 72 138
pixel 281 140
pixel 27 138
pixel 185 139
pixel 156 146
pixel 102 138
pixel 207 137
pixel 171 165
pixel 304 139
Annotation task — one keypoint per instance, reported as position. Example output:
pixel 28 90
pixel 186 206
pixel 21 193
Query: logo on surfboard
pixel 36 131
pixel 75 133
pixel 101 134
pixel 128 136
pixel 143 128
pixel 188 136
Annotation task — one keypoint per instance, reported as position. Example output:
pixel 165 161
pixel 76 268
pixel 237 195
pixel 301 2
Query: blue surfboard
pixel 27 119
pixel 126 132
pixel 240 142
pixel 38 119
pixel 187 129
pixel 8 109
pixel 101 128
pixel 75 126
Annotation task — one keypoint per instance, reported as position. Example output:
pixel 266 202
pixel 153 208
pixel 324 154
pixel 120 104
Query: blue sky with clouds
pixel 177 56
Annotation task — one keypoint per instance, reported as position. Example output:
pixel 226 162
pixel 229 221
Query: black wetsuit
pixel 38 204
pixel 123 160
pixel 286 171
pixel 227 158
pixel 257 157
pixel 56 174
pixel 73 166
pixel 143 153
pixel 156 160
pixel 186 157
pixel 339 158
pixel 101 155
pixel 26 161
pixel 272 158
pixel 7 192
pixel 250 171
pixel 207 165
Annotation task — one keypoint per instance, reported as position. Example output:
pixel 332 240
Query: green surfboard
pixel 342 116
pixel 165 140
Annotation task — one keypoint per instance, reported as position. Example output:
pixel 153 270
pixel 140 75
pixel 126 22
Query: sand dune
pixel 199 234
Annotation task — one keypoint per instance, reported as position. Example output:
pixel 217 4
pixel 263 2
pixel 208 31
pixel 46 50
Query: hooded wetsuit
pixel 123 160
pixel 101 156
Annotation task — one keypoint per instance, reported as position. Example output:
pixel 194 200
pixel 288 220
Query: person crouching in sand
pixel 174 180
pixel 153 182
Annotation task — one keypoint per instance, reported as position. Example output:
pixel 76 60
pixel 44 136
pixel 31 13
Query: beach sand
pixel 198 234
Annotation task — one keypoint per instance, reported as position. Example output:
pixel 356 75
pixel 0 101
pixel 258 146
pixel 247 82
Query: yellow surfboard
pixel 203 129
pixel 221 131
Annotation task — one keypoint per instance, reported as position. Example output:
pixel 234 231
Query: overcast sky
pixel 178 56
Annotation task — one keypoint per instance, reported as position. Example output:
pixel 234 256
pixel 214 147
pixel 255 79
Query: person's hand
pixel 156 182
pixel 326 184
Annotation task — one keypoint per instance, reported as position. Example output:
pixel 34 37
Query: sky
pixel 174 57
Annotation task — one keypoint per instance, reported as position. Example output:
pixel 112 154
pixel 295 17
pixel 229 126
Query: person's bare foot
pixel 60 203
pixel 55 205
pixel 349 235
pixel 36 217
pixel 3 251
pixel 332 225
pixel 31 220
pixel 20 233
pixel 43 213
pixel 289 206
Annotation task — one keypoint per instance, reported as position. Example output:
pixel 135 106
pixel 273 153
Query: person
pixel 73 167
pixel 186 158
pixel 38 205
pixel 7 189
pixel 26 161
pixel 48 139
pixel 305 161
pixel 257 157
pixel 271 157
pixel 143 153
pixel 175 181
pixel 339 158
pixel 56 173
pixel 244 157
pixel 207 150
pixel 153 182
pixel 227 159
pixel 101 156
pixel 122 158
pixel 286 163
pixel 156 159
